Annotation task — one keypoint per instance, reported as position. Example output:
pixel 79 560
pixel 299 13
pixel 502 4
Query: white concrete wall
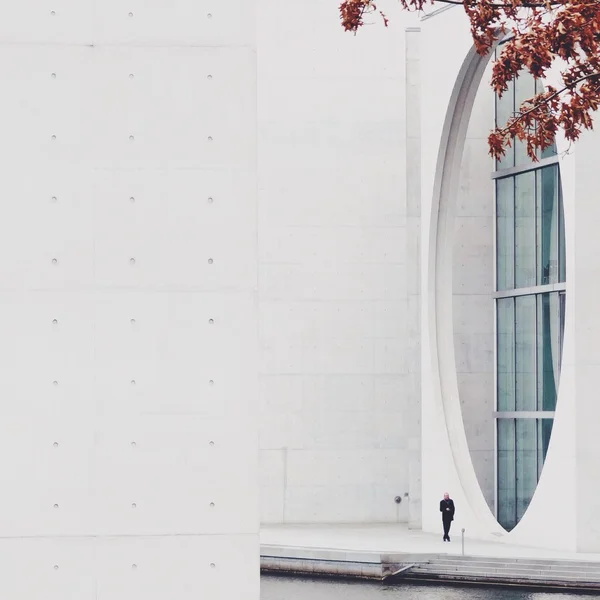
pixel 473 284
pixel 413 271
pixel 115 443
pixel 333 289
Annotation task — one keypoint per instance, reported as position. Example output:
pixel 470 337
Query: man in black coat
pixel 447 510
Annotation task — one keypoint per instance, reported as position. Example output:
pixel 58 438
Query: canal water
pixel 293 588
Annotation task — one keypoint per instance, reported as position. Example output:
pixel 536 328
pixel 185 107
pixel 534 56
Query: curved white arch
pixel 440 301
pixel 440 268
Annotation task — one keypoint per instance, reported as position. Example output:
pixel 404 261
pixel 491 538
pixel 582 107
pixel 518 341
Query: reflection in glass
pixel 507 509
pixel 548 349
pixel 524 89
pixel 505 233
pixel 544 427
pixel 525 234
pixel 505 110
pixel 506 354
pixel 550 150
pixel 525 352
pixel 547 225
pixel 530 252
pixel 562 265
pixel 527 465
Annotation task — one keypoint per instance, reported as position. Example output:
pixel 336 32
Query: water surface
pixel 274 587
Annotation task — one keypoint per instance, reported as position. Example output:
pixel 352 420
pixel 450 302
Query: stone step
pixel 507 560
pixel 525 568
pixel 468 574
pixel 497 568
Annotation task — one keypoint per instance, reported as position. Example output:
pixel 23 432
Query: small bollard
pixel 463 540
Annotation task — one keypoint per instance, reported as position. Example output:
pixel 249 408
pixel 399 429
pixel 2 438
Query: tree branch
pixel 506 4
pixel 546 100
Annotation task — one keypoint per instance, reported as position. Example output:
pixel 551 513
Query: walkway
pixel 397 539
pixel 380 551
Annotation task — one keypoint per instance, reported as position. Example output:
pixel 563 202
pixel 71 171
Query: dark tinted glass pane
pixel 505 233
pixel 505 107
pixel 548 349
pixel 506 353
pixel 525 352
pixel 525 230
pixel 544 431
pixel 507 510
pixel 527 464
pixel 524 90
pixel 547 225
pixel 562 266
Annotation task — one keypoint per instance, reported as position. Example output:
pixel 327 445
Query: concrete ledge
pixel 548 574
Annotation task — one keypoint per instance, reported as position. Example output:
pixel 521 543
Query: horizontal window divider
pixel 524 414
pixel 543 162
pixel 531 291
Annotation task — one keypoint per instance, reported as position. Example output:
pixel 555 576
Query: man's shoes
pixel 448 538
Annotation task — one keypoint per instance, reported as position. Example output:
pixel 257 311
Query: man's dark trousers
pixel 447 521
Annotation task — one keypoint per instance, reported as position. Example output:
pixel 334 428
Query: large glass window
pixel 529 349
pixel 530 284
pixel 522 446
pixel 530 246
pixel 507 106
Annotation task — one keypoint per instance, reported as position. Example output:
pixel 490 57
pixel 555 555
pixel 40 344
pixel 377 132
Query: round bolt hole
pixel 209 16
pixel 131 138
pixel 132 321
pixel 53 13
pixel 209 77
pixel 210 261
pixel 55 321
pixel 211 321
pixel 131 76
pixel 211 443
pixel 210 200
pixel 53 75
pixel 55 383
pixel 134 505
pixel 53 137
pixel 134 567
pixel 55 444
pixel 212 504
pixel 133 444
pixel 131 199
pixel 131 14
pixel 56 567
pixel 397 499
pixel 54 198
pixel 210 138
pixel 56 506
pixel 133 382
pixel 132 261
pixel 54 261
pixel 212 565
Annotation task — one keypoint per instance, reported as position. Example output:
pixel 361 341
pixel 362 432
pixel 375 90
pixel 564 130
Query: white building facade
pixel 128 279
pixel 489 392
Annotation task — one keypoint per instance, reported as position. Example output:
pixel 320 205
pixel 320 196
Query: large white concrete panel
pixel 128 257
pixel 64 568
pixel 184 566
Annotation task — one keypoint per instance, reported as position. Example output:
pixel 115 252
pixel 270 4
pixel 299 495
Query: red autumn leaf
pixel 539 32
